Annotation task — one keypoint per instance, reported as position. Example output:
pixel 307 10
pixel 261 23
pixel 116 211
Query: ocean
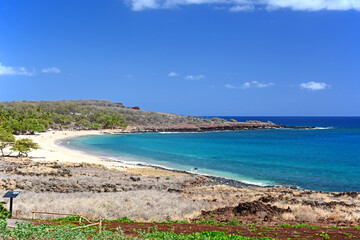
pixel 326 158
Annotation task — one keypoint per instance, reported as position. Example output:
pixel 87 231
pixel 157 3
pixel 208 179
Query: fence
pixel 69 214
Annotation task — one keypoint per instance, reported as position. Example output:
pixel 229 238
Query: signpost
pixel 11 195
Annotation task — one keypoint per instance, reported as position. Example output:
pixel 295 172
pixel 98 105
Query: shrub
pixel 4 213
pixel 24 146
pixel 6 139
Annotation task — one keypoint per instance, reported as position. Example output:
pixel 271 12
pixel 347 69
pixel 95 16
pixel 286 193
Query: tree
pixel 6 139
pixel 83 123
pixel 95 126
pixel 114 121
pixel 33 125
pixel 14 125
pixel 24 146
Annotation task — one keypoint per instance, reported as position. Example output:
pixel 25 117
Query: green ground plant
pixel 47 231
pixel 4 213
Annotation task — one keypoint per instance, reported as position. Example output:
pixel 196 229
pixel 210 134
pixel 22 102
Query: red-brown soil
pixel 248 230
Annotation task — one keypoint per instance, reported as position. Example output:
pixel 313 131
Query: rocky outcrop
pixel 245 209
pixel 225 126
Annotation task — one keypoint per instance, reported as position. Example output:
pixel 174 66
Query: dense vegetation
pixel 36 116
pixel 19 117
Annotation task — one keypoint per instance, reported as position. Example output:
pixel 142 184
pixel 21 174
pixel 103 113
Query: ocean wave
pixel 127 160
pixel 181 132
pixel 168 132
pixel 320 128
pixel 306 128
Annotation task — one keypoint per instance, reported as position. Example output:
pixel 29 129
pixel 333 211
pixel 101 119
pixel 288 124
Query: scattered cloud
pixel 51 70
pixel 230 86
pixel 7 70
pixel 251 84
pixel 138 5
pixel 262 85
pixel 194 77
pixel 248 5
pixel 246 85
pixel 242 8
pixel 314 86
pixel 256 84
pixel 173 74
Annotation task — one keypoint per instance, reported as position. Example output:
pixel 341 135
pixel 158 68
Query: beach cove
pixel 64 180
pixel 324 157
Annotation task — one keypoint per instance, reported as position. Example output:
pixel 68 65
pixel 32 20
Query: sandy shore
pixel 150 193
pixel 51 151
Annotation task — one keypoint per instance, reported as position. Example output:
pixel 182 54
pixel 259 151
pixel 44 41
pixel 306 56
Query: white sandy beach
pixel 50 151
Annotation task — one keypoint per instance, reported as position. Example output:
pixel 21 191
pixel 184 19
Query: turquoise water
pixel 326 159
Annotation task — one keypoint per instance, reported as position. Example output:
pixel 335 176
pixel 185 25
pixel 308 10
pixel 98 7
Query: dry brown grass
pixel 155 194
pixel 32 176
pixel 139 205
pixel 296 200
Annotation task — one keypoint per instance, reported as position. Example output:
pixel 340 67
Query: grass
pixel 142 205
pixel 98 192
pixel 64 232
pixel 63 228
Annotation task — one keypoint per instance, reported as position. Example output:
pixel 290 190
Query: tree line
pixel 26 118
pixel 30 118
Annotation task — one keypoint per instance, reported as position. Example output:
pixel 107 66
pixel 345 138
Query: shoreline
pixel 216 180
pixel 174 194
pixel 52 150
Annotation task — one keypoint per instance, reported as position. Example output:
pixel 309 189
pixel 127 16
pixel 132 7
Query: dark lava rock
pixel 350 194
pixel 245 209
pixel 267 199
pixel 135 179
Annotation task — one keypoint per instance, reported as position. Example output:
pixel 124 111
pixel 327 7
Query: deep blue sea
pixel 325 159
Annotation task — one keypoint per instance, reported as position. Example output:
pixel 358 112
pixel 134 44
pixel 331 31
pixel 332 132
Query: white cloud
pixel 230 86
pixel 173 74
pixel 314 5
pixel 138 5
pixel 194 77
pixel 248 5
pixel 262 85
pixel 251 84
pixel 7 70
pixel 51 70
pixel 246 85
pixel 242 8
pixel 314 86
pixel 256 84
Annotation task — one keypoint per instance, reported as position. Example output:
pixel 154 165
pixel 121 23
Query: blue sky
pixel 196 57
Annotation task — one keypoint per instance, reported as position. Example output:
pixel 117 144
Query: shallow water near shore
pixel 326 158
